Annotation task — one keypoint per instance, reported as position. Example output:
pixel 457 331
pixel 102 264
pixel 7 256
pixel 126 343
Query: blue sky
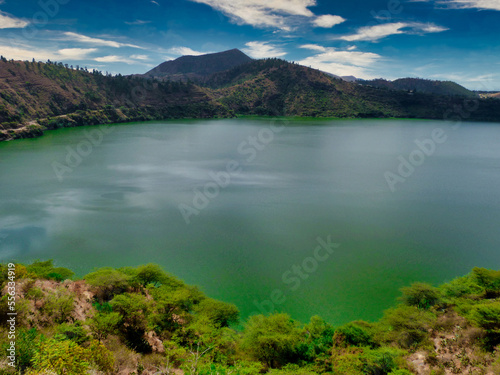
pixel 437 39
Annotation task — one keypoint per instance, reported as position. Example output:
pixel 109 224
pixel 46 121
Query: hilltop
pixel 198 67
pixel 422 86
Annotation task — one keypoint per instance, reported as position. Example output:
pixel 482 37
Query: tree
pixel 151 274
pixel 104 324
pixel 421 295
pixel 220 314
pixel 59 305
pixel 271 339
pixel 108 282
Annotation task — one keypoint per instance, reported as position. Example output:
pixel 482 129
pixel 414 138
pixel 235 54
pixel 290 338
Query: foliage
pixel 46 270
pixel 354 361
pixel 421 295
pixel 271 339
pixel 104 324
pixel 108 282
pixel 407 326
pixel 220 314
pixel 67 357
pixel 74 332
pixel 26 347
pixel 487 316
pixel 359 334
pixel 59 304
pixel 61 357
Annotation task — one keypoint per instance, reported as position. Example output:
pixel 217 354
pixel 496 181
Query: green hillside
pixel 145 321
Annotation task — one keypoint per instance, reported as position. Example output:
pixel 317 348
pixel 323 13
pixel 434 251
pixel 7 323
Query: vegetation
pixel 145 321
pixel 37 96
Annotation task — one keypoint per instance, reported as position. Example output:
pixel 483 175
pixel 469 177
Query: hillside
pixel 197 67
pixel 37 96
pixel 276 87
pixel 145 321
pixel 34 96
pixel 425 86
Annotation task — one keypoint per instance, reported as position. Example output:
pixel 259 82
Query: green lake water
pixel 254 236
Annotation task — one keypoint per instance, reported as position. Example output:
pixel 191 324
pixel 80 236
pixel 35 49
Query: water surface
pixel 120 207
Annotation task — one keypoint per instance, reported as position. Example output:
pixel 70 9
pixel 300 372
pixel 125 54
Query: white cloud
pixel 261 50
pixel 340 62
pixel 140 57
pixel 477 4
pixel 75 53
pixel 95 41
pixel 377 32
pixel 9 22
pixel 328 21
pixel 313 47
pixel 185 51
pixel 138 22
pixel 155 2
pixel 67 54
pixel 110 59
pixel 262 13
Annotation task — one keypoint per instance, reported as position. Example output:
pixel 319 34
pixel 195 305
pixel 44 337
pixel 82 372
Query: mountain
pixel 198 67
pixel 278 88
pixel 37 96
pixel 422 85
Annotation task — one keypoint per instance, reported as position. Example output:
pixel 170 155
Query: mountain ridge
pixel 196 67
pixel 36 96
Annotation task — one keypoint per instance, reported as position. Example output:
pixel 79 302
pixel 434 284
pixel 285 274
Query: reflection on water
pixel 120 207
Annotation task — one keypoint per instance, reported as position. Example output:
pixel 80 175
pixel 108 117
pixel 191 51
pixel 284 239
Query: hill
pixel 425 86
pixel 36 96
pixel 145 321
pixel 277 87
pixel 198 67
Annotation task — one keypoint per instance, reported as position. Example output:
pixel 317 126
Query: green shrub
pixel 406 326
pixel 354 334
pixel 460 287
pixel 219 313
pixel 487 316
pixel 74 332
pixel 271 339
pixel 46 270
pixel 108 283
pixel 59 305
pixel 421 295
pixel 104 324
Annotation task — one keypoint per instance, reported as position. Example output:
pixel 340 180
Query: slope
pixel 197 67
pixel 39 96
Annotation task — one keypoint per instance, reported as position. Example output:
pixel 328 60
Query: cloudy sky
pixel 437 39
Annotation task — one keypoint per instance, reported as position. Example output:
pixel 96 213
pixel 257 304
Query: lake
pixel 310 217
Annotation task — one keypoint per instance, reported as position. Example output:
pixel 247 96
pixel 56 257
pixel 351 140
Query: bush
pixel 460 287
pixel 74 332
pixel 487 316
pixel 271 339
pixel 46 270
pixel 104 324
pixel 354 334
pixel 421 295
pixel 407 326
pixel 67 357
pixel 108 283
pixel 59 305
pixel 220 314
pixel 361 361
